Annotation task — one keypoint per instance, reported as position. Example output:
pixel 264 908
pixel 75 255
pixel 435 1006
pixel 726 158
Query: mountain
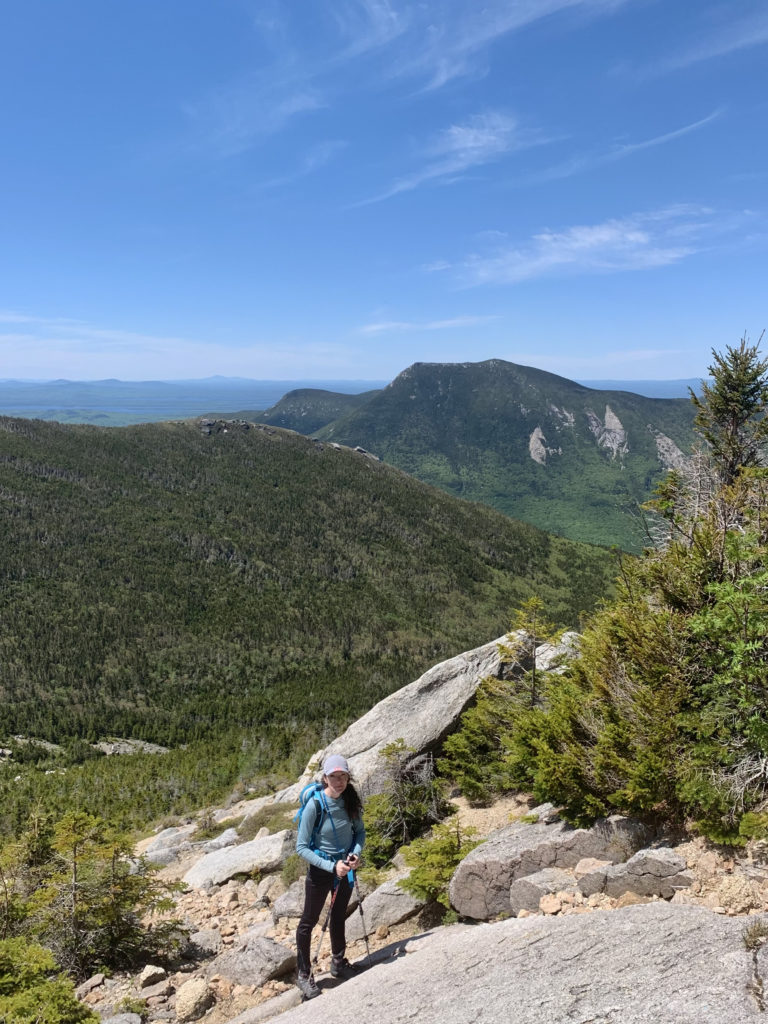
pixel 235 588
pixel 650 388
pixel 309 409
pixel 536 446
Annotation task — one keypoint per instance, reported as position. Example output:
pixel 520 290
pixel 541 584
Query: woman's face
pixel 337 783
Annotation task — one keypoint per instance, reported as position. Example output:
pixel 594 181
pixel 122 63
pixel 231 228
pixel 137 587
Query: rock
pixel 160 991
pixel 481 884
pixel 291 903
pixel 737 893
pixel 589 864
pixel 151 975
pixel 272 1007
pixel 258 855
pixel 227 838
pixel 170 838
pixel 193 999
pixel 256 931
pixel 525 893
pixel 654 964
pixel 631 899
pixel 88 986
pixel 122 1018
pixel 388 905
pixel 550 657
pixel 269 889
pixel 253 962
pixel 657 872
pixel 421 713
pixel 206 941
pixel 162 858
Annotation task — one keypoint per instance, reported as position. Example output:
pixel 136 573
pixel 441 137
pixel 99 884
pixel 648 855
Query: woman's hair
pixel 353 805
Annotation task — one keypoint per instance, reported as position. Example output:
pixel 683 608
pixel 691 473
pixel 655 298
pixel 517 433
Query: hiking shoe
pixel 342 968
pixel 306 985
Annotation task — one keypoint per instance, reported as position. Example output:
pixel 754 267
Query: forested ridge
pixel 235 593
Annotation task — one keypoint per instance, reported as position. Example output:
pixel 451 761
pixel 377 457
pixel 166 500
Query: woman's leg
pixel 316 888
pixel 338 917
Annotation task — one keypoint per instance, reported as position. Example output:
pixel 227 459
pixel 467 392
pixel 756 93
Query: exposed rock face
pixel 421 713
pixel 480 887
pixel 537 447
pixel 525 893
pixel 260 854
pixel 609 433
pixel 653 964
pixel 670 455
pixel 291 903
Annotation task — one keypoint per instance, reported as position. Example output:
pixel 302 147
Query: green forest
pixel 236 593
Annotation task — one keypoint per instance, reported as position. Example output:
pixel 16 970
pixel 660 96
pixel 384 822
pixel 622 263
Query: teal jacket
pixel 330 846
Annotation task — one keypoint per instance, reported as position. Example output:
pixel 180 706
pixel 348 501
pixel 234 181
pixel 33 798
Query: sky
pixel 326 189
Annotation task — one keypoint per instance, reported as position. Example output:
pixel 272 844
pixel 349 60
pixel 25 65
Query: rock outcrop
pixel 480 887
pixel 265 854
pixel 421 713
pixel 652 964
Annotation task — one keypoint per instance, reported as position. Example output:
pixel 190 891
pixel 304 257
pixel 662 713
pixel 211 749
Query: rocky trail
pixel 610 924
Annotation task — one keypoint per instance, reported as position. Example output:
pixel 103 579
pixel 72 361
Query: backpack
pixel 312 791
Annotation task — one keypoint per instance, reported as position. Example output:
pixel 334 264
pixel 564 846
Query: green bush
pixel 413 799
pixel 30 992
pixel 434 858
pixel 294 867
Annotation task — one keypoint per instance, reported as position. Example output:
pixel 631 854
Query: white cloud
pixel 618 152
pixel 636 242
pixel 390 326
pixel 480 140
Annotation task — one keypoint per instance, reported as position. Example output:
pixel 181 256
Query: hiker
pixel 330 838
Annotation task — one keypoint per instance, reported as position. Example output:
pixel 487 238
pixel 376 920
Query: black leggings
pixel 317 886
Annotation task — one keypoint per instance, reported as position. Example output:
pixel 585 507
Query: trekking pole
pixel 325 923
pixel 362 918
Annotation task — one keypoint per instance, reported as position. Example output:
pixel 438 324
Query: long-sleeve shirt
pixel 330 846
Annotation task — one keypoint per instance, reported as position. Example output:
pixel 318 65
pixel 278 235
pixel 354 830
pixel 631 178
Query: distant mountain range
pixel 124 402
pixel 121 403
pixel 541 448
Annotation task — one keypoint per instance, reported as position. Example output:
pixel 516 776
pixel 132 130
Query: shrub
pixel 292 870
pixel 412 801
pixel 273 817
pixel 29 994
pixel 434 858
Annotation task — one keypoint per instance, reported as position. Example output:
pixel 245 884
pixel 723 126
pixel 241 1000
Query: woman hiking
pixel 331 837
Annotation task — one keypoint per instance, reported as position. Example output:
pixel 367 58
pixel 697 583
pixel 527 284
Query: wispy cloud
pixel 380 41
pixel 390 326
pixel 636 242
pixel 461 147
pixel 619 151
pixel 319 156
pixel 451 45
pixel 731 35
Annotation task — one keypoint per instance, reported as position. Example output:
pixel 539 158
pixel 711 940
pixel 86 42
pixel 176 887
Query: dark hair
pixel 353 805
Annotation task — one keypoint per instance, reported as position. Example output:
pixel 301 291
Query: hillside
pixel 536 446
pixel 238 589
pixel 309 409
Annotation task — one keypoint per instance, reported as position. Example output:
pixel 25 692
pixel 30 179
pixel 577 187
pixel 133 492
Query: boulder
pixel 291 903
pixel 525 893
pixel 652 964
pixel 122 1018
pixel 95 981
pixel 151 975
pixel 265 854
pixel 421 713
pixel 170 838
pixel 386 906
pixel 227 838
pixel 481 884
pixel 658 872
pixel 254 962
pixel 205 942
pixel 193 999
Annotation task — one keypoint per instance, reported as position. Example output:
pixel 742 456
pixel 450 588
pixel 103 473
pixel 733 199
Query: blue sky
pixel 340 188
